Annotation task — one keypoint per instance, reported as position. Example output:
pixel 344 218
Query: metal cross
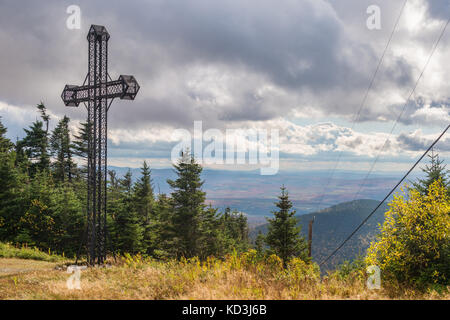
pixel 97 89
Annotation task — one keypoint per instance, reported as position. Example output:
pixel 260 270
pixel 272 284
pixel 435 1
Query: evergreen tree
pixel 259 244
pixel 127 231
pixel 5 143
pixel 10 192
pixel 35 144
pixel 143 193
pixel 10 197
pixel 283 235
pixel 45 117
pixel 37 224
pixel 188 205
pixel 61 148
pixel 81 145
pixel 161 230
pixel 69 218
pixel 126 183
pixel 209 237
pixel 235 231
pixel 81 141
pixel 143 202
pixel 433 172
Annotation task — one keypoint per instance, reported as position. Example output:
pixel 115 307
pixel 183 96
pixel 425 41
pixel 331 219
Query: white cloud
pixel 438 116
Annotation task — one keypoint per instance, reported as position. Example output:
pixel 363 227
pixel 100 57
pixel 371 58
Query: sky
pixel 301 67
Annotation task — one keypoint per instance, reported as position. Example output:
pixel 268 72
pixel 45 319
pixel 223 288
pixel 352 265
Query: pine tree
pixel 143 203
pixel 259 244
pixel 10 194
pixel 126 183
pixel 283 235
pixel 235 231
pixel 35 144
pixel 433 172
pixel 188 205
pixel 61 148
pixel 69 218
pixel 45 117
pixel 143 193
pixel 127 231
pixel 161 230
pixel 81 141
pixel 209 238
pixel 37 225
pixel 5 143
pixel 81 145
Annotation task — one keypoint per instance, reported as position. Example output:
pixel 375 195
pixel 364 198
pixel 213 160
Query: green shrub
pixel 9 251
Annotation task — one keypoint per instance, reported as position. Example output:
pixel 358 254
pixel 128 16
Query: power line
pixel 387 196
pixel 358 114
pixel 386 141
pixel 403 109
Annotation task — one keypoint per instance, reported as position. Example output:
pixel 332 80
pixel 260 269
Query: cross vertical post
pixel 95 95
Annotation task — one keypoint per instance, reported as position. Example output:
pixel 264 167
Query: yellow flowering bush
pixel 299 270
pixel 414 244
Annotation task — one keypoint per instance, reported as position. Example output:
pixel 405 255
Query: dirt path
pixel 10 266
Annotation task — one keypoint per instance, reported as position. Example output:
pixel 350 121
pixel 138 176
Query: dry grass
pixel 13 266
pixel 238 277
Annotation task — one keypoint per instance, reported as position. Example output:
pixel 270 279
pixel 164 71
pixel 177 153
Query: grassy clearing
pixel 9 251
pixel 236 277
pixel 13 266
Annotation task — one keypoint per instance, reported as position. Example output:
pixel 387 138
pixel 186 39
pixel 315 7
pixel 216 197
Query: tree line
pixel 43 195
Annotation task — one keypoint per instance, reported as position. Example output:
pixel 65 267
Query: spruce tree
pixel 35 144
pixel 433 172
pixel 5 143
pixel 161 230
pixel 80 147
pixel 259 244
pixel 62 151
pixel 35 147
pixel 45 117
pixel 38 225
pixel 188 205
pixel 81 141
pixel 143 194
pixel 283 236
pixel 235 231
pixel 127 231
pixel 69 217
pixel 9 193
pixel 209 237
pixel 10 211
pixel 143 203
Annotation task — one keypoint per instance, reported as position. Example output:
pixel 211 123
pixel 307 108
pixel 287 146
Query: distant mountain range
pixel 334 224
pixel 253 194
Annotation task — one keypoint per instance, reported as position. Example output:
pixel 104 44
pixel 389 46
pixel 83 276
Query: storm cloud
pixel 231 63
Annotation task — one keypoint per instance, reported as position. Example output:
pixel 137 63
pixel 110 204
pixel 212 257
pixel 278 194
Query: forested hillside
pixel 334 224
pixel 43 201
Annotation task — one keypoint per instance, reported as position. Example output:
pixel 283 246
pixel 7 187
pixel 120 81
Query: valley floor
pixel 136 278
